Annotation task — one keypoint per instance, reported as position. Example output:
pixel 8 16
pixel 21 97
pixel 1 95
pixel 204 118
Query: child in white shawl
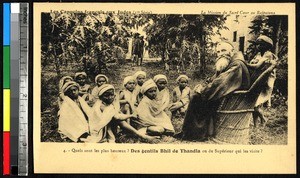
pixel 163 94
pixel 181 95
pixel 151 118
pixel 74 114
pixel 105 115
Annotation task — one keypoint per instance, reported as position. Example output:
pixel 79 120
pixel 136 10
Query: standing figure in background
pixel 181 95
pixel 84 88
pixel 142 45
pixel 261 61
pixel 136 49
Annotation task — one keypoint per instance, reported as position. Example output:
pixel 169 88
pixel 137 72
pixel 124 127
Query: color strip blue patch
pixel 6 23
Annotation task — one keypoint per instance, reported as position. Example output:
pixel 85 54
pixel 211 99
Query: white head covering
pixel 128 79
pixel 159 76
pixel 147 85
pixel 139 73
pixel 103 88
pixel 265 39
pixel 80 73
pixel 68 85
pixel 101 75
pixel 62 81
pixel 182 76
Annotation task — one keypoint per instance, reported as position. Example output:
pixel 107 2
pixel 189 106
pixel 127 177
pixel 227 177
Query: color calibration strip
pixel 15 88
pixel 6 88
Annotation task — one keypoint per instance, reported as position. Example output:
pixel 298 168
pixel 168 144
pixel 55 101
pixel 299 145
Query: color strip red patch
pixel 6 153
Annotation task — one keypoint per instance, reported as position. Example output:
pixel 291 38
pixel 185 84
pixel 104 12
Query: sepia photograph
pixel 177 78
pixel 135 76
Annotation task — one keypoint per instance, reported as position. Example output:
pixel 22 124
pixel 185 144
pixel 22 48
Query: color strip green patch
pixel 6 67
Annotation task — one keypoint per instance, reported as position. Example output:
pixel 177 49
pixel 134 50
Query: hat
pixel 127 79
pixel 139 73
pixel 80 73
pixel 147 85
pixel 103 88
pixel 63 79
pixel 160 76
pixel 68 85
pixel 101 75
pixel 182 76
pixel 265 39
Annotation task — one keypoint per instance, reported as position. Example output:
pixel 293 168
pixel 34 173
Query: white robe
pixel 150 115
pixel 99 123
pixel 72 122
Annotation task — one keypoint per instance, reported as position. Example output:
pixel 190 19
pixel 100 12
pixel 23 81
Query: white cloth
pixel 147 85
pixel 182 76
pixel 163 98
pixel 130 97
pixel 128 79
pixel 101 75
pixel 160 76
pixel 140 73
pixel 102 115
pixel 103 88
pixel 150 115
pixel 72 122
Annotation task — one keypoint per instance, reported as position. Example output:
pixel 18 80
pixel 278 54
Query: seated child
pixel 75 114
pixel 61 95
pixel 140 77
pixel 99 80
pixel 106 116
pixel 84 89
pixel 127 97
pixel 151 119
pixel 163 94
pixel 181 95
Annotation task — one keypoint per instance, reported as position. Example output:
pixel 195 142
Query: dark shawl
pixel 202 107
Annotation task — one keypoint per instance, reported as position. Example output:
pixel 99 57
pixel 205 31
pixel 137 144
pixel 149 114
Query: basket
pixel 234 114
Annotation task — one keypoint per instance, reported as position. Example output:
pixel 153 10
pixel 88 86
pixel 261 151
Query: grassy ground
pixel 275 131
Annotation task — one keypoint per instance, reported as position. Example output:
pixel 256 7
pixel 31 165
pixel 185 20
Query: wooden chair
pixel 234 114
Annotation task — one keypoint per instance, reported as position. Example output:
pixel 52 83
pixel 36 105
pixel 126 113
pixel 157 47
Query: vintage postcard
pixel 164 88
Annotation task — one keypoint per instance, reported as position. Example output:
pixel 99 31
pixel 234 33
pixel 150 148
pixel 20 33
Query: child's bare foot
pixel 150 138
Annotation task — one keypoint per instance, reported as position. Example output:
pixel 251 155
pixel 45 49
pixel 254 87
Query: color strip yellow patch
pixel 6 109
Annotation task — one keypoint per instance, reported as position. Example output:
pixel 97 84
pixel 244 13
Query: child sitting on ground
pixel 61 95
pixel 163 94
pixel 151 119
pixel 127 97
pixel 140 77
pixel 181 95
pixel 99 80
pixel 84 89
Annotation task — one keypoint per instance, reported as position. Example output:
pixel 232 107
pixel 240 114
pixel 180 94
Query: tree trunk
pixel 202 56
pixel 57 62
pixel 276 51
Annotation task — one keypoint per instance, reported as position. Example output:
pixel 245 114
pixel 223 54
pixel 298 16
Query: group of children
pixel 143 107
